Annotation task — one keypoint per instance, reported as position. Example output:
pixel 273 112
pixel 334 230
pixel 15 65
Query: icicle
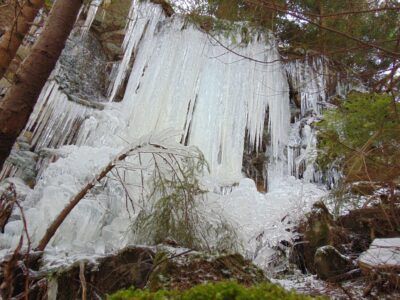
pixel 55 119
pixel 142 16
pixel 293 148
pixel 309 79
pixel 91 15
pixel 195 85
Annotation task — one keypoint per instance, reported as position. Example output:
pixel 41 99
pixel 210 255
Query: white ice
pixel 182 79
pixel 382 253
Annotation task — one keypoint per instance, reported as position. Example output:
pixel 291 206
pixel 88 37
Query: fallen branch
pixel 83 279
pixel 51 230
pixel 346 276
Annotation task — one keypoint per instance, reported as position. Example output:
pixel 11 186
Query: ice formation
pixel 183 79
pixel 90 16
pixel 382 253
pixel 309 79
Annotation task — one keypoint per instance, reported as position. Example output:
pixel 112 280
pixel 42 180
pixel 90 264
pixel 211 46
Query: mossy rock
pixel 195 268
pixel 112 15
pixel 154 268
pixel 318 230
pixel 211 291
pixel 315 230
pixel 129 267
pixel 329 262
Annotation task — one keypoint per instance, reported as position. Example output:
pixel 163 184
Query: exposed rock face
pixel 329 262
pixel 25 160
pixel 129 267
pixel 112 15
pixel 83 67
pixel 109 26
pixel 254 163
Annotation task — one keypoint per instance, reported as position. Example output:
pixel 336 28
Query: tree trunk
pixel 33 73
pixel 14 36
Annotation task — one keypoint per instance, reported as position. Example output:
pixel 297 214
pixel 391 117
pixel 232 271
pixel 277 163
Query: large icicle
pixel 90 16
pixel 309 78
pixel 54 122
pixel 142 16
pixel 56 119
pixel 194 84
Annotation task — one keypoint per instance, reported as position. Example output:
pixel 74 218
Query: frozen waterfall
pixel 179 78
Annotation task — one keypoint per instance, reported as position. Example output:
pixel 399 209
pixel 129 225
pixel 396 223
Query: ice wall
pixel 309 80
pixel 179 78
pixel 195 85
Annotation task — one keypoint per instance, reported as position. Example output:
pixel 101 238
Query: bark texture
pixel 13 37
pixel 20 99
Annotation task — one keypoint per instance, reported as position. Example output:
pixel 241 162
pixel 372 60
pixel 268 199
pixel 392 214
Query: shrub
pixel 362 137
pixel 174 209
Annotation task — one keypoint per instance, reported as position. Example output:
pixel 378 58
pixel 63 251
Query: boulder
pixel 129 267
pixel 319 229
pixel 329 262
pixel 192 268
pixel 156 267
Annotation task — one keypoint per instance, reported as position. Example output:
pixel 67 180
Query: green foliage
pixel 173 214
pixel 253 12
pixel 325 27
pixel 240 34
pixel 378 28
pixel 216 291
pixel 48 3
pixel 174 208
pixel 362 137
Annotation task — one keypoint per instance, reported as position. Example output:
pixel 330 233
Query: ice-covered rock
pixel 383 253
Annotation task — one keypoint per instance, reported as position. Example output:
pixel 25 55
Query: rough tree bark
pixel 31 76
pixel 12 39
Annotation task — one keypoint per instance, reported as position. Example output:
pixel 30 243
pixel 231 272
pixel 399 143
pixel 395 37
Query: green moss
pixel 217 291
